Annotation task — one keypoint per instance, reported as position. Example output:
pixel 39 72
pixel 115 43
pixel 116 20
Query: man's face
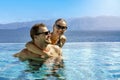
pixel 60 27
pixel 44 35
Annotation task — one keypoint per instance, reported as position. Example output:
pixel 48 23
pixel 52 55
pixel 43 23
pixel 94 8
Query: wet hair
pixel 35 29
pixel 60 19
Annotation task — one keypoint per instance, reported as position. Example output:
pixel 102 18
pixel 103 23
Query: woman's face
pixel 60 27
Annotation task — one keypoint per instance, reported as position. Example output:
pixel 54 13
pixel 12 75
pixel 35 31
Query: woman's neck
pixel 54 36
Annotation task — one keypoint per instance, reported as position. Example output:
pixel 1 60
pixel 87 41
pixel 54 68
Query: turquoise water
pixel 82 61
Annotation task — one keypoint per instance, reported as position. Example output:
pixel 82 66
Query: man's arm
pixel 31 47
pixel 22 55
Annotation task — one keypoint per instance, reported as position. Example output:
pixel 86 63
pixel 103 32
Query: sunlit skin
pixel 58 32
pixel 55 36
pixel 47 51
pixel 44 38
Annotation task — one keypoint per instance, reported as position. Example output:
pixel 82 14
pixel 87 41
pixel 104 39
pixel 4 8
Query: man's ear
pixel 35 36
pixel 53 26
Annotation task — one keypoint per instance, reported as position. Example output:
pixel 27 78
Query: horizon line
pixel 57 18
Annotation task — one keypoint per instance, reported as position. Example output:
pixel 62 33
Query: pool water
pixel 82 61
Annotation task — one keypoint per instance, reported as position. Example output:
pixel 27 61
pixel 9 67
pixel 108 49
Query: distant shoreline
pixel 72 36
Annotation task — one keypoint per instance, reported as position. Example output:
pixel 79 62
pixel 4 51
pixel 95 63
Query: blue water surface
pixel 82 61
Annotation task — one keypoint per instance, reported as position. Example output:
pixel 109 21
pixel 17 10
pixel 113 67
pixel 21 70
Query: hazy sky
pixel 28 10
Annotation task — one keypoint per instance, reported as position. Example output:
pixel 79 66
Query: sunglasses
pixel 46 33
pixel 61 27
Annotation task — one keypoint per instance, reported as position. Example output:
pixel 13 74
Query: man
pixel 41 40
pixel 57 36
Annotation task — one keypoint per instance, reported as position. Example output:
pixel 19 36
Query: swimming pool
pixel 82 61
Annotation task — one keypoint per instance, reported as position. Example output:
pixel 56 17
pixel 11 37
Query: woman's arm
pixel 62 41
pixel 31 47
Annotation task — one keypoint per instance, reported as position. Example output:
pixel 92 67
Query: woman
pixel 57 36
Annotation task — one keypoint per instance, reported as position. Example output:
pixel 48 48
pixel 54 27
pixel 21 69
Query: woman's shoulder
pixel 54 46
pixel 63 37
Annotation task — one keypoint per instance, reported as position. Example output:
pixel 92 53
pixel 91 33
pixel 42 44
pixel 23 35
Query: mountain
pixel 83 23
pixel 95 23
pixel 19 25
pixel 102 28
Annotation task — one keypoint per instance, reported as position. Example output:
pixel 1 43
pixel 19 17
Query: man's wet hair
pixel 35 29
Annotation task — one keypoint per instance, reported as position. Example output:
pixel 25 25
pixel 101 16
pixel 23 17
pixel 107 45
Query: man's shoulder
pixel 29 43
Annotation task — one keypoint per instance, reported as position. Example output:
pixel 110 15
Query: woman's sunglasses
pixel 61 27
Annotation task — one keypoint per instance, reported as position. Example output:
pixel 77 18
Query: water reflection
pixel 47 71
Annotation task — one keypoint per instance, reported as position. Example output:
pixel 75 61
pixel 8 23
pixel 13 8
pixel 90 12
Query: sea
pixel 82 61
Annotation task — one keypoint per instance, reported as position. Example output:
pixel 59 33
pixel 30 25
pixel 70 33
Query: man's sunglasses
pixel 61 27
pixel 46 33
